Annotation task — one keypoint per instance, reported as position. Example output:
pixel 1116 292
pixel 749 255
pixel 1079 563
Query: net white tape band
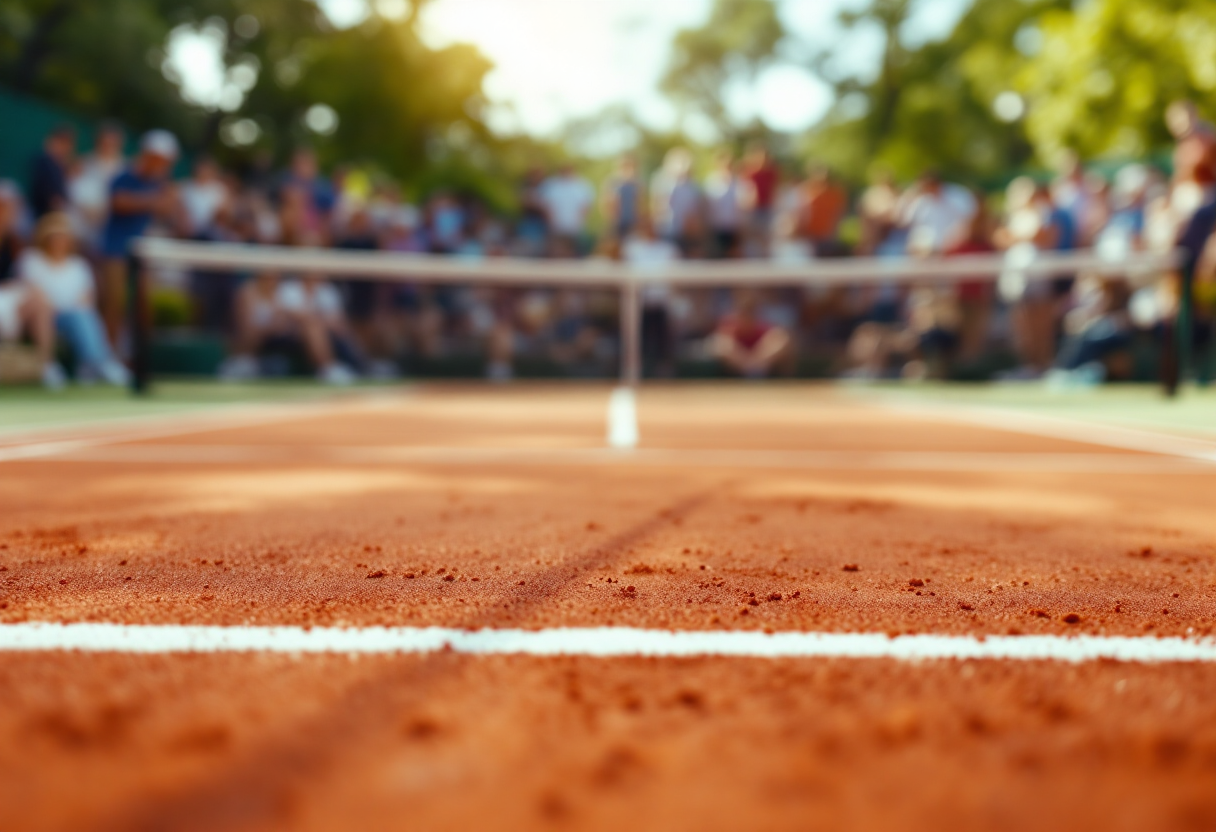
pixel 604 272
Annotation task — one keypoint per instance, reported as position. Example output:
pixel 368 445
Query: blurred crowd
pixel 64 243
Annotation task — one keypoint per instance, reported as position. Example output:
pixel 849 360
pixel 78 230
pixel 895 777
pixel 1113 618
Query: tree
pixel 1108 69
pixel 932 105
pixel 740 38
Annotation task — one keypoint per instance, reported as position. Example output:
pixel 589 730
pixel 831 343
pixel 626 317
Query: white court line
pixel 1075 430
pixel 598 642
pixel 1085 463
pixel 59 442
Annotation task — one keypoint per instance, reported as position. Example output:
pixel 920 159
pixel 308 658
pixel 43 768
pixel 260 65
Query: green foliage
pixel 739 39
pixel 1109 68
pixel 930 106
pixel 405 110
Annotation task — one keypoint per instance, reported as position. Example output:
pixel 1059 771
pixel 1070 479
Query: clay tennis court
pixel 746 509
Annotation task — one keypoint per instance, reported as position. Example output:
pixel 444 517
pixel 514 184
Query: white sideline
pixel 1072 430
pixel 597 642
pixel 80 437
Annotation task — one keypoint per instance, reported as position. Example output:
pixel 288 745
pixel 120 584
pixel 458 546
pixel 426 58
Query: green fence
pixel 26 121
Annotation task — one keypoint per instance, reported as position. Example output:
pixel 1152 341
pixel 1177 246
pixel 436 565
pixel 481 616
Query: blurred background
pixel 645 132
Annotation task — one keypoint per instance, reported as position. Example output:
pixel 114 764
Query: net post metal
pixel 139 322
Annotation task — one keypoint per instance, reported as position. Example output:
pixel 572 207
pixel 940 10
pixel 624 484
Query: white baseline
pixel 599 642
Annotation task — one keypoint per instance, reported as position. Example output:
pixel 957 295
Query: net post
pixel 138 322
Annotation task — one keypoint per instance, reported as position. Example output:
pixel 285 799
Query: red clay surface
pixel 449 742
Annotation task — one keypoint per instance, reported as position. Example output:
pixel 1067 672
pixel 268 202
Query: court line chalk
pixel 601 642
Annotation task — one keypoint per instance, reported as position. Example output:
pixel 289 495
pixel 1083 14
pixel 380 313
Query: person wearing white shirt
pixel 937 216
pixel 89 187
pixel 567 199
pixel 202 196
pixel 724 206
pixel 65 279
pixel 317 307
pixel 22 307
pixel 649 255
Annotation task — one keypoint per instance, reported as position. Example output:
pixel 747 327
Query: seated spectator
pixel 285 316
pixel 23 309
pixel 1097 334
pixel 66 281
pixel 747 345
pixel 316 306
pixel 623 200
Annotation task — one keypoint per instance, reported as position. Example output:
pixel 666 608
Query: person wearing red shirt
pixel 761 178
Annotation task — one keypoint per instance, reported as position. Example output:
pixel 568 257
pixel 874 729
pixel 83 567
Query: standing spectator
pixel 676 202
pixel 648 254
pixel 1034 223
pixel 1073 192
pixel 762 177
pixel 532 232
pixel 975 297
pixel 203 196
pixel 936 215
pixel 567 198
pixel 304 174
pixel 623 199
pixel 66 281
pixel 89 187
pixel 49 177
pixel 724 205
pixel 137 196
pixel 22 307
pixel 878 211
pixel 823 206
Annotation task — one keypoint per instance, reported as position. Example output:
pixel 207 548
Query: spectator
pixel 1034 223
pixel 137 196
pixel 66 281
pixel 49 177
pixel 1123 233
pixel 936 215
pixel 762 178
pixel 878 211
pixel 317 192
pixel 532 230
pixel 975 297
pixel 89 187
pixel 823 205
pixel 724 194
pixel 23 309
pixel 747 345
pixel 567 198
pixel 648 255
pixel 623 199
pixel 1073 192
pixel 676 202
pixel 203 197
pixel 316 306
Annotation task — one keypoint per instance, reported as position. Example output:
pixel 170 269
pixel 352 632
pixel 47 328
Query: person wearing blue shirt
pixel 137 196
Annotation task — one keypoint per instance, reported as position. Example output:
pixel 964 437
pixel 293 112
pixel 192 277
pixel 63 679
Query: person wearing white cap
pixel 137 196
